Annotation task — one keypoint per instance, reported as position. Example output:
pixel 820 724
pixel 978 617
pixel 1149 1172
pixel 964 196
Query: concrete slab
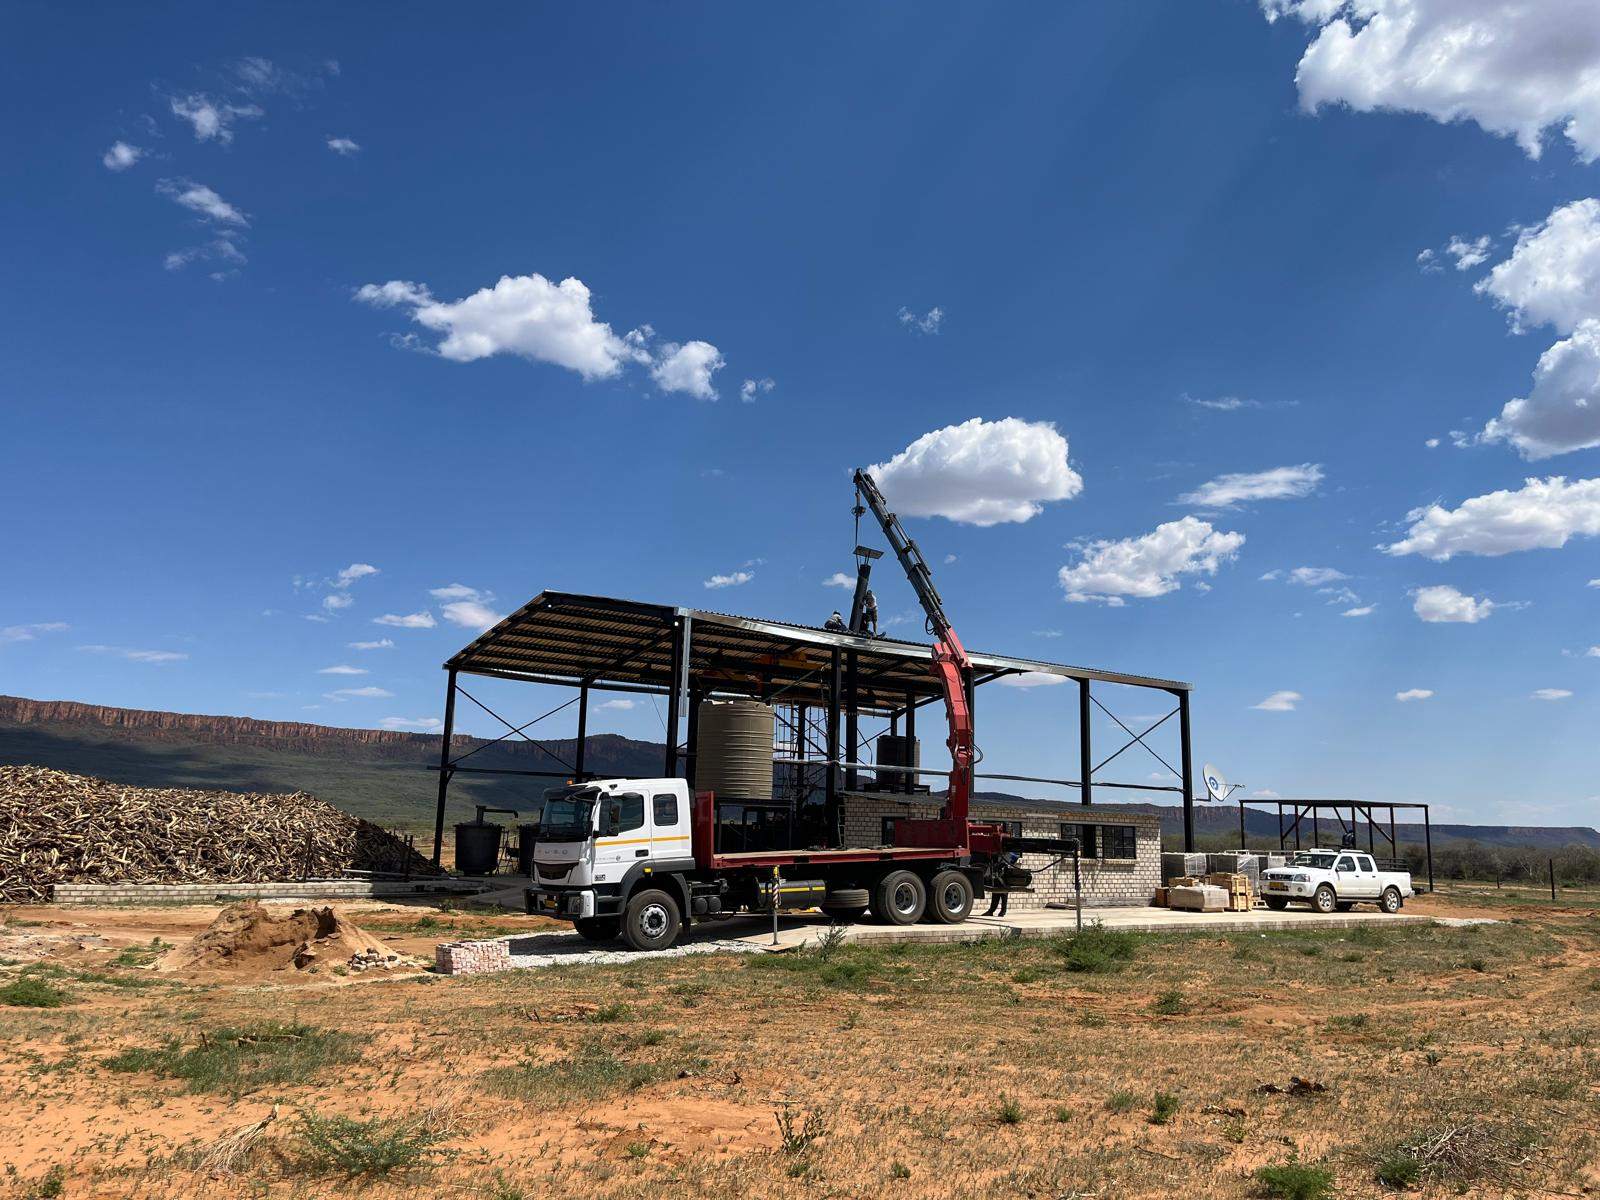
pixel 752 934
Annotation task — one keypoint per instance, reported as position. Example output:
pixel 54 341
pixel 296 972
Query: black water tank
pixel 477 848
pixel 527 838
pixel 895 750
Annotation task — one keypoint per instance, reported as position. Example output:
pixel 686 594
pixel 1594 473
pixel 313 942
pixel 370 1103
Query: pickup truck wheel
pixel 598 929
pixel 1324 901
pixel 950 897
pixel 651 921
pixel 1277 903
pixel 1390 900
pixel 900 898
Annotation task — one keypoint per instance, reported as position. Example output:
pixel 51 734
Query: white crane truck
pixel 1333 881
pixel 638 857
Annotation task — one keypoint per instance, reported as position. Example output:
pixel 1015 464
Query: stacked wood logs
pixel 57 827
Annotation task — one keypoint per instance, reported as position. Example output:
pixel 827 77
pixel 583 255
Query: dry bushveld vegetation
pixel 1432 1061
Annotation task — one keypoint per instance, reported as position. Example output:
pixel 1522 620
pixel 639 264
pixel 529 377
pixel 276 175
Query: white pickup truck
pixel 1333 880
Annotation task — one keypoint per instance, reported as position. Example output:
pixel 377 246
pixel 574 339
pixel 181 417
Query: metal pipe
pixel 830 802
pixel 1427 835
pixel 852 722
pixel 671 767
pixel 911 740
pixel 444 767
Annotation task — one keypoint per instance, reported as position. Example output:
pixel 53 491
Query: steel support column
pixel 913 759
pixel 830 804
pixel 852 720
pixel 1188 773
pixel 444 767
pixel 1427 835
pixel 1085 747
pixel 691 756
pixel 583 731
pixel 679 660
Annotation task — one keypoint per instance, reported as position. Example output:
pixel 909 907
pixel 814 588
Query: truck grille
pixel 554 872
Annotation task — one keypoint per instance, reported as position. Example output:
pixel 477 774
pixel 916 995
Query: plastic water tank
pixel 477 848
pixel 733 749
pixel 527 839
pixel 897 750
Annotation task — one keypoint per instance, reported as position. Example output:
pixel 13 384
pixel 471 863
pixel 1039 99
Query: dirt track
pixel 622 1081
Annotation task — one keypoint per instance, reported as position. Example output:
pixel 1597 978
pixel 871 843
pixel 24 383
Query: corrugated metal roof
pixel 560 637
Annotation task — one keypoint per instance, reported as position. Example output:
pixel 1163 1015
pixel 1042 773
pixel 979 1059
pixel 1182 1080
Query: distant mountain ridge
pixel 389 776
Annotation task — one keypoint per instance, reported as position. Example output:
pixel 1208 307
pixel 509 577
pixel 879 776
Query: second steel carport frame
pixel 1297 810
pixel 602 644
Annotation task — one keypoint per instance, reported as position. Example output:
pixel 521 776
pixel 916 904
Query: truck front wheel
pixel 1324 901
pixel 651 921
pixel 950 897
pixel 1390 900
pixel 597 929
pixel 1277 903
pixel 900 898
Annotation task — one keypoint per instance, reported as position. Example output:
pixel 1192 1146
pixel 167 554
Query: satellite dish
pixel 1216 782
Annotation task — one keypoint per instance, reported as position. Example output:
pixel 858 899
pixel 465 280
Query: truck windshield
pixel 568 815
pixel 1322 862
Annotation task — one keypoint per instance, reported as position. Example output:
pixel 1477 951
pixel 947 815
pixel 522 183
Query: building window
pixel 1088 844
pixel 1119 841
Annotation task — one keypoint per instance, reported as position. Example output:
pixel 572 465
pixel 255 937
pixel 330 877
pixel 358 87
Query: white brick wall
pixel 1106 882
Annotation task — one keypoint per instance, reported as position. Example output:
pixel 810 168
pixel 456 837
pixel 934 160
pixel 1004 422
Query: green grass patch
pixel 246 1059
pixel 1121 1102
pixel 1010 1110
pixel 592 1072
pixel 1163 1108
pixel 1170 1003
pixel 1295 1181
pixel 1097 950
pixel 33 992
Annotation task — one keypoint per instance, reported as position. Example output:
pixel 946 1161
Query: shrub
pixel 1170 1003
pixel 29 992
pixel 608 1013
pixel 1097 950
pixel 380 1146
pixel 243 1060
pixel 1010 1111
pixel 590 1073
pixel 1121 1102
pixel 796 1136
pixel 1295 1181
pixel 1163 1109
pixel 1399 1170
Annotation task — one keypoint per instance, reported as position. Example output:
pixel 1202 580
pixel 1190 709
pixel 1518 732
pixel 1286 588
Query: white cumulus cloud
pixel 343 146
pixel 358 693
pixel 198 198
pixel 1033 679
pixel 210 119
pixel 27 633
pixel 1515 67
pixel 1445 604
pixel 456 591
pixel 379 644
pixel 752 388
pixel 1280 702
pixel 416 620
pixel 1316 576
pixel 620 705
pixel 1552 276
pixel 1149 565
pixel 334 601
pixel 688 368
pixel 1410 694
pixel 839 580
pixel 157 657
pixel 1562 411
pixel 733 579
pixel 1280 483
pixel 929 322
pixel 342 669
pixel 422 724
pixel 471 614
pixel 352 573
pixel 1542 514
pixel 980 472
pixel 1551 694
pixel 121 156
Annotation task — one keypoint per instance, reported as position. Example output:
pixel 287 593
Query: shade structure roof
pixel 562 638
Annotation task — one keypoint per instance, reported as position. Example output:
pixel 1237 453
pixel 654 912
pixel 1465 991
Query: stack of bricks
pixel 1107 882
pixel 326 889
pixel 472 958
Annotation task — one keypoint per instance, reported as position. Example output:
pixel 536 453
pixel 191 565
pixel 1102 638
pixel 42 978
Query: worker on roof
pixel 836 623
pixel 869 614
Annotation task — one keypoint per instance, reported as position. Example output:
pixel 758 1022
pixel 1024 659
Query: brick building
pixel 1120 864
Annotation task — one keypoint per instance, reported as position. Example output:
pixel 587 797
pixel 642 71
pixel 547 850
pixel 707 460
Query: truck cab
pixel 600 843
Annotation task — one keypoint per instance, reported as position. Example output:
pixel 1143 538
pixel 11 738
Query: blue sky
pixel 1207 319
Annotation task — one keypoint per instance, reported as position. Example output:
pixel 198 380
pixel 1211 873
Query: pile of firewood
pixel 61 828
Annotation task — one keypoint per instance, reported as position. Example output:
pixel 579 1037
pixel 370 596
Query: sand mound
pixel 251 939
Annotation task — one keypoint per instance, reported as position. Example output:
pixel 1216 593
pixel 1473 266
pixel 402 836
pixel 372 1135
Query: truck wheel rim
pixel 954 897
pixel 905 898
pixel 653 920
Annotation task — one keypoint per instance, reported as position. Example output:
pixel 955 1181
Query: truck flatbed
pixel 785 858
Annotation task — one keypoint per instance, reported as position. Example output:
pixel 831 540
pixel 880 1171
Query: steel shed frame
pixel 604 644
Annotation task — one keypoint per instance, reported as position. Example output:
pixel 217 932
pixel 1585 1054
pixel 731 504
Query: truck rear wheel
pixel 1324 901
pixel 1390 900
pixel 651 921
pixel 597 929
pixel 846 904
pixel 900 898
pixel 950 897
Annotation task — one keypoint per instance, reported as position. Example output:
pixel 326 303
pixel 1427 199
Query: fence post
pixel 1552 880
